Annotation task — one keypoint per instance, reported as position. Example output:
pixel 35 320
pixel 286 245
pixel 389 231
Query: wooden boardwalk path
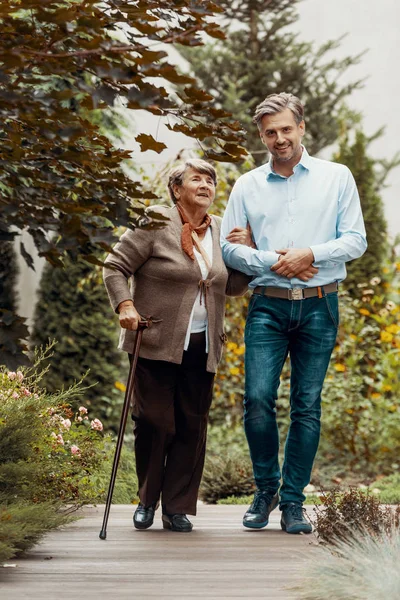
pixel 219 559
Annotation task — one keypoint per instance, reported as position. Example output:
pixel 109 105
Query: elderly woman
pixel 180 281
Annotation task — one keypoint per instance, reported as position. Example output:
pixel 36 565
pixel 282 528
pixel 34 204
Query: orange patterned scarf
pixel 190 233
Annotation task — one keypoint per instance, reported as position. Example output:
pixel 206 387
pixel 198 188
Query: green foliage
pixel 61 178
pixel 262 55
pixel 363 568
pixel 225 476
pixel 22 525
pixel 387 489
pixel 8 276
pixel 49 458
pixel 73 309
pixel 370 176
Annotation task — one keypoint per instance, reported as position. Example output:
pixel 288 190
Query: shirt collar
pixel 304 162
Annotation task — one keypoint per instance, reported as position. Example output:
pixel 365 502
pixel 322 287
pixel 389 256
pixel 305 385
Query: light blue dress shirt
pixel 317 207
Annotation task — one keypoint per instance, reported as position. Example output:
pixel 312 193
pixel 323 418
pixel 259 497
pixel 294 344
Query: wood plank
pixel 219 559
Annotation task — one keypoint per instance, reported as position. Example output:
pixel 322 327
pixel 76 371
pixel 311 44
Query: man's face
pixel 282 136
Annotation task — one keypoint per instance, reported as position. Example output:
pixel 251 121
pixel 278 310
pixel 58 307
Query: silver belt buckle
pixel 297 293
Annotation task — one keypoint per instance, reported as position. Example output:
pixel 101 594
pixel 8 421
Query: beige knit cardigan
pixel 165 283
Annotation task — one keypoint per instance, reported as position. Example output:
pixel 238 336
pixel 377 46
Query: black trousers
pixel 170 409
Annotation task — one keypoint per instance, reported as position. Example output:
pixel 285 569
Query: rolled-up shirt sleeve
pixel 238 256
pixel 350 242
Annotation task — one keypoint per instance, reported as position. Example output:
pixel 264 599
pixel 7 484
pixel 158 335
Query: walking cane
pixel 129 388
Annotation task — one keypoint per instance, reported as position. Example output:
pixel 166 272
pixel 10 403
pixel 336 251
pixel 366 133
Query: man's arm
pixel 238 256
pixel 350 242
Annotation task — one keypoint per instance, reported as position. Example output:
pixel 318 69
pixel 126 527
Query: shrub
pixel 345 514
pixel 49 455
pixel 365 567
pixel 231 475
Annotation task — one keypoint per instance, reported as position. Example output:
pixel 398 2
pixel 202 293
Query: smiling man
pixel 306 221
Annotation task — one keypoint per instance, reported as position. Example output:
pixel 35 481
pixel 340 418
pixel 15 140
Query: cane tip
pixel 102 534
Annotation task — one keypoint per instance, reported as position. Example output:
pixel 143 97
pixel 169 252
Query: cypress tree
pixel 370 176
pixel 73 308
pixel 261 55
pixel 8 276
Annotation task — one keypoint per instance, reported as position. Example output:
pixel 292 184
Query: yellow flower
pixel 393 328
pixel 398 266
pixel 349 411
pixel 386 337
pixel 120 386
pixel 375 396
pixel 337 348
pixel 387 388
pixel 239 351
pixel 234 371
pixel 393 408
pixel 231 346
pixel 364 311
pixel 339 367
pixel 353 337
pixel 385 270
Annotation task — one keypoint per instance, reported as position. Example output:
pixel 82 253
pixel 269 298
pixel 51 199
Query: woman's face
pixel 197 190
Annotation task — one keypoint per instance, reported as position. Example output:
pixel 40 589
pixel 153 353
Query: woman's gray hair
pixel 276 103
pixel 176 174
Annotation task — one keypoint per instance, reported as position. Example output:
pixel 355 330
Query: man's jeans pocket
pixel 332 303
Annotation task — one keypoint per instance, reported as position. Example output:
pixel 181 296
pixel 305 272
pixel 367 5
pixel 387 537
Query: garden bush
pixel 342 515
pixel 365 567
pixel 53 459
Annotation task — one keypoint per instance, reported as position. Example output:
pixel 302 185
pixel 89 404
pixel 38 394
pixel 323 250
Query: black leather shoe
pixel 293 519
pixel 258 513
pixel 177 523
pixel 144 516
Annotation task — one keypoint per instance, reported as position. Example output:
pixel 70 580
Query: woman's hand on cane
pixel 128 315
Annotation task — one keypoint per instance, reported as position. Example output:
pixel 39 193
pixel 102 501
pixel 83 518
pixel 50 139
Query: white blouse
pixel 198 318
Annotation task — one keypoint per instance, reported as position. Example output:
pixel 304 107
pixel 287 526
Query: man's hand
pixel 128 315
pixel 307 274
pixel 239 235
pixel 293 261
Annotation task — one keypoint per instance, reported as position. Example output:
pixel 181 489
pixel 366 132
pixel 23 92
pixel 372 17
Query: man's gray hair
pixel 276 103
pixel 176 174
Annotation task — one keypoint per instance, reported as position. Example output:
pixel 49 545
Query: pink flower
pixel 11 375
pixel 60 439
pixel 65 423
pixel 83 410
pixel 79 419
pixel 96 424
pixel 53 435
pixel 15 395
pixel 20 376
pixel 26 392
pixel 75 450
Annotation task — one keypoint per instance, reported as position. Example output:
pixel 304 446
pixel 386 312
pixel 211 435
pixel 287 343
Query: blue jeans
pixel 306 330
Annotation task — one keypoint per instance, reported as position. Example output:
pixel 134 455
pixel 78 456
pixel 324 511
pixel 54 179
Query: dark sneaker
pixel 257 515
pixel 293 519
pixel 177 523
pixel 144 516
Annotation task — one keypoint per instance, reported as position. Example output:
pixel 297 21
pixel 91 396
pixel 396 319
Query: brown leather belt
pixel 296 293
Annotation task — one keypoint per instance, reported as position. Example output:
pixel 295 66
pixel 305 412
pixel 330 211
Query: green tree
pixel 73 309
pixel 61 178
pixel 370 176
pixel 8 276
pixel 262 55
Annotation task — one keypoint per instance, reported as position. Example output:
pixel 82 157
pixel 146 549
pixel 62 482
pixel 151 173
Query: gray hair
pixel 276 103
pixel 176 174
